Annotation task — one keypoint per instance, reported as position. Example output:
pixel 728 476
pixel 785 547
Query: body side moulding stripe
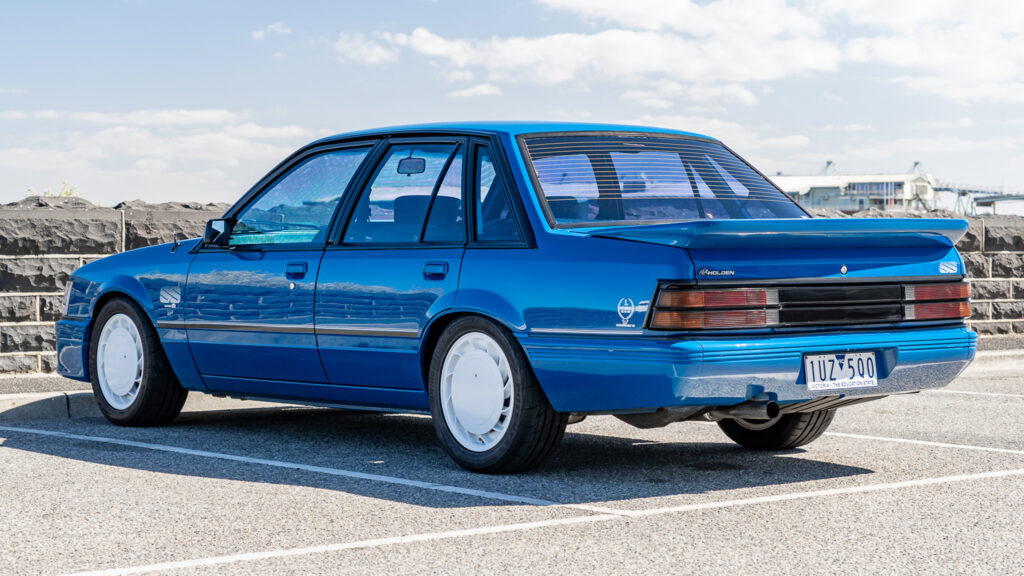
pixel 291 329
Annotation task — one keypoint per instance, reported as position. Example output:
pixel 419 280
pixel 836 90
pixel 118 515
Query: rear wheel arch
pixel 436 327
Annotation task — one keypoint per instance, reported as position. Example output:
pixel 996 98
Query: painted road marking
pixel 290 466
pixel 972 393
pixel 524 526
pixel 926 443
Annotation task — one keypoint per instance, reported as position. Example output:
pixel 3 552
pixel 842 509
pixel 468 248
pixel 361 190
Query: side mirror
pixel 217 231
pixel 410 166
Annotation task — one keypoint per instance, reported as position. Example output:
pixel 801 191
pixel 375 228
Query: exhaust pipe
pixel 750 410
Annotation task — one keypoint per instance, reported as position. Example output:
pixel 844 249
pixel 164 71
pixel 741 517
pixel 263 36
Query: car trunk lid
pixel 811 248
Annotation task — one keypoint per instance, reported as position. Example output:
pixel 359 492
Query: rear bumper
pixel 582 374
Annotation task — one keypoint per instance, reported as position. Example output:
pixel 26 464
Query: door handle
pixel 435 270
pixel 296 269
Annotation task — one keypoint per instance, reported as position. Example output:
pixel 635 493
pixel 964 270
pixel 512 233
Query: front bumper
pixel 586 374
pixel 72 333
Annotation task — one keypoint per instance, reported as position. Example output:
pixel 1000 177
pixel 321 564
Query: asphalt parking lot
pixel 931 483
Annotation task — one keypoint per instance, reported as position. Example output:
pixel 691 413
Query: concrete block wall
pixel 993 252
pixel 40 246
pixel 42 243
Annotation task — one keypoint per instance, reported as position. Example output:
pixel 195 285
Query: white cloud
pixel 848 128
pixel 475 91
pixel 963 51
pixel 833 98
pixel 665 93
pixel 276 28
pixel 458 75
pixel 279 56
pixel 733 134
pixel 740 18
pixel 154 155
pixel 625 56
pixel 964 122
pixel 13 91
pixel 134 118
pixel 255 131
pixel 357 47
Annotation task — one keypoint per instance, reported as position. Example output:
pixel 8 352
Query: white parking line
pixel 972 393
pixel 926 443
pixel 524 526
pixel 290 466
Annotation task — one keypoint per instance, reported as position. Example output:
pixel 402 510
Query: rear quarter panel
pixel 569 283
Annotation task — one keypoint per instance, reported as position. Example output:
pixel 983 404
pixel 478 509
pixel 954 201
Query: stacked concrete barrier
pixel 43 240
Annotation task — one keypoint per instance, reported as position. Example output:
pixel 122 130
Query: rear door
pixel 249 305
pixel 396 264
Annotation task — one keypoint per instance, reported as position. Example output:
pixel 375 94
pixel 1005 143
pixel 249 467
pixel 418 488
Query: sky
pixel 194 101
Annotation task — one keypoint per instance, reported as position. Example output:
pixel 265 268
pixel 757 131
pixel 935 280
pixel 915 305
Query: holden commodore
pixel 510 278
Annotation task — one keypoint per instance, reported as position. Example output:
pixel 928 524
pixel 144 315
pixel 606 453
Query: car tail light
pixel 732 298
pixel 922 301
pixel 937 310
pixel 715 309
pixel 711 319
pixel 955 291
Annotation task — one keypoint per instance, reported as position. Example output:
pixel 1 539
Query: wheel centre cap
pixel 477 392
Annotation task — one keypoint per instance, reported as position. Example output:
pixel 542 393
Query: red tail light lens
pixel 938 310
pixel 735 298
pixel 704 319
pixel 957 291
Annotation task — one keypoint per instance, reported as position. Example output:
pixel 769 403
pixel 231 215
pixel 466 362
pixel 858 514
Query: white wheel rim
pixel 119 361
pixel 477 391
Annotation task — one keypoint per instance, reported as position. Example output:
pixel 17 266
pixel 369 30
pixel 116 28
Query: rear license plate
pixel 840 371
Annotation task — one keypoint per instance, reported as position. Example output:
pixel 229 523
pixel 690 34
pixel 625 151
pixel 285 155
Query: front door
pixel 249 304
pixel 397 264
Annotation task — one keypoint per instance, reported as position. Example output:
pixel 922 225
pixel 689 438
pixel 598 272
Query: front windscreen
pixel 624 179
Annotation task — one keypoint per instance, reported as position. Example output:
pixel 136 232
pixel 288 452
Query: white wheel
pixel 120 361
pixel 477 391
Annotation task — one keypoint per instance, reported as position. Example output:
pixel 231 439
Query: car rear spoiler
pixel 793 233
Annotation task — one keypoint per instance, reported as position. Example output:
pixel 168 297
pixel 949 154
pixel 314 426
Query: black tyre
pixel 131 377
pixel 783 433
pixel 489 412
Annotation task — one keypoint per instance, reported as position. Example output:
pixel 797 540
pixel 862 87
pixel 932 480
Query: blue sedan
pixel 511 278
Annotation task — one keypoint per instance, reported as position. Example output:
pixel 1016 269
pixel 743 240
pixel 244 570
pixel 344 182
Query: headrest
pixel 445 210
pixel 411 209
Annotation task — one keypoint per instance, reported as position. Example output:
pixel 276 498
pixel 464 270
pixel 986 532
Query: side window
pixel 299 206
pixel 494 220
pixel 393 207
pixel 446 222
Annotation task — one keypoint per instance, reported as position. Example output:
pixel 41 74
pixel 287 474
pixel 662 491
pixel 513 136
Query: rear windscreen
pixel 602 180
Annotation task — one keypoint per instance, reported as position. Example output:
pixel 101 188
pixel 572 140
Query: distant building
pixel 855 192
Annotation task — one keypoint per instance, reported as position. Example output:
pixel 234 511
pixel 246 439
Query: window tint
pixel 494 220
pixel 569 185
pixel 299 206
pixel 446 222
pixel 393 207
pixel 622 179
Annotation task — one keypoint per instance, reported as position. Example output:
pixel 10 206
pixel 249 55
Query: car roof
pixel 510 128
